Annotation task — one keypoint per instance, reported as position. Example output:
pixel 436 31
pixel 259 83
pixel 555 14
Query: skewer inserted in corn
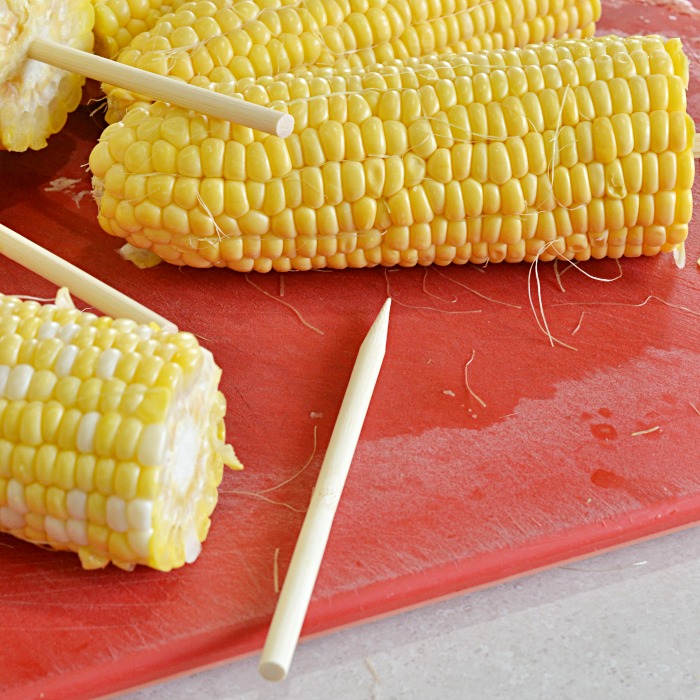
pixel 572 149
pixel 112 438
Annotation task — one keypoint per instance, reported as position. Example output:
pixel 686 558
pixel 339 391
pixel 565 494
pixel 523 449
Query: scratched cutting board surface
pixel 575 451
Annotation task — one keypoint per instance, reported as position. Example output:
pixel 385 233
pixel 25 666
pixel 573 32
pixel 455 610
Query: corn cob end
pixel 35 99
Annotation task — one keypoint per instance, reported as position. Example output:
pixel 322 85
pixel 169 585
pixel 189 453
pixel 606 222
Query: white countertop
pixel 621 625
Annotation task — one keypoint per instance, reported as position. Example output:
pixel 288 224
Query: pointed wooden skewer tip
pixel 299 582
pixel 63 274
pixel 160 87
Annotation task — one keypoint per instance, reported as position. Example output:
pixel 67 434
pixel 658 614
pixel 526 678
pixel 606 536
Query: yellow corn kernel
pixel 22 464
pixel 56 503
pixel 499 163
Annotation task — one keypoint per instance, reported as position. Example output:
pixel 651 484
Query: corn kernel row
pixel 111 436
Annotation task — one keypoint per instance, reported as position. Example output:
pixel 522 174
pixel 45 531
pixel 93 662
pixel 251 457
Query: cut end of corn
pixel 575 149
pixel 35 98
pixel 112 441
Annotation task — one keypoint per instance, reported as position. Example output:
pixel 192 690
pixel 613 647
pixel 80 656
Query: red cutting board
pixel 444 494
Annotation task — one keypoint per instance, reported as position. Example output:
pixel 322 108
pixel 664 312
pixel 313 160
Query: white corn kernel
pixel 4 375
pixel 85 440
pixel 77 532
pixel 76 502
pixel 88 318
pixel 144 332
pixel 18 382
pixel 48 330
pixel 64 361
pixel 56 529
pixel 67 333
pixel 140 541
pixel 116 514
pixel 108 363
pixel 139 514
pixel 152 444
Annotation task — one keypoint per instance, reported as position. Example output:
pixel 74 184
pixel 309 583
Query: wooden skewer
pixel 80 283
pixel 173 91
pixel 298 585
pixel 696 146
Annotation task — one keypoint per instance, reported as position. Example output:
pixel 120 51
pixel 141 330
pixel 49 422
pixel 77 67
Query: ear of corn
pixel 35 99
pixel 575 149
pixel 111 436
pixel 221 41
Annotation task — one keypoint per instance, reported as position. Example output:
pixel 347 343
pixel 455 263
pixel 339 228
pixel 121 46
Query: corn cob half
pixel 111 436
pixel 573 149
pixel 221 41
pixel 35 98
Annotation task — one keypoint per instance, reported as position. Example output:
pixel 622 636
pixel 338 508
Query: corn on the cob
pixel 222 40
pixel 35 99
pixel 111 436
pixel 575 149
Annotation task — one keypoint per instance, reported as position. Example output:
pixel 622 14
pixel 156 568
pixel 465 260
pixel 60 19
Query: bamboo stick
pixel 83 285
pixel 160 87
pixel 303 570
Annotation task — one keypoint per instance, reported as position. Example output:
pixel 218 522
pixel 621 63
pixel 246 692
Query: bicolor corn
pixel 112 441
